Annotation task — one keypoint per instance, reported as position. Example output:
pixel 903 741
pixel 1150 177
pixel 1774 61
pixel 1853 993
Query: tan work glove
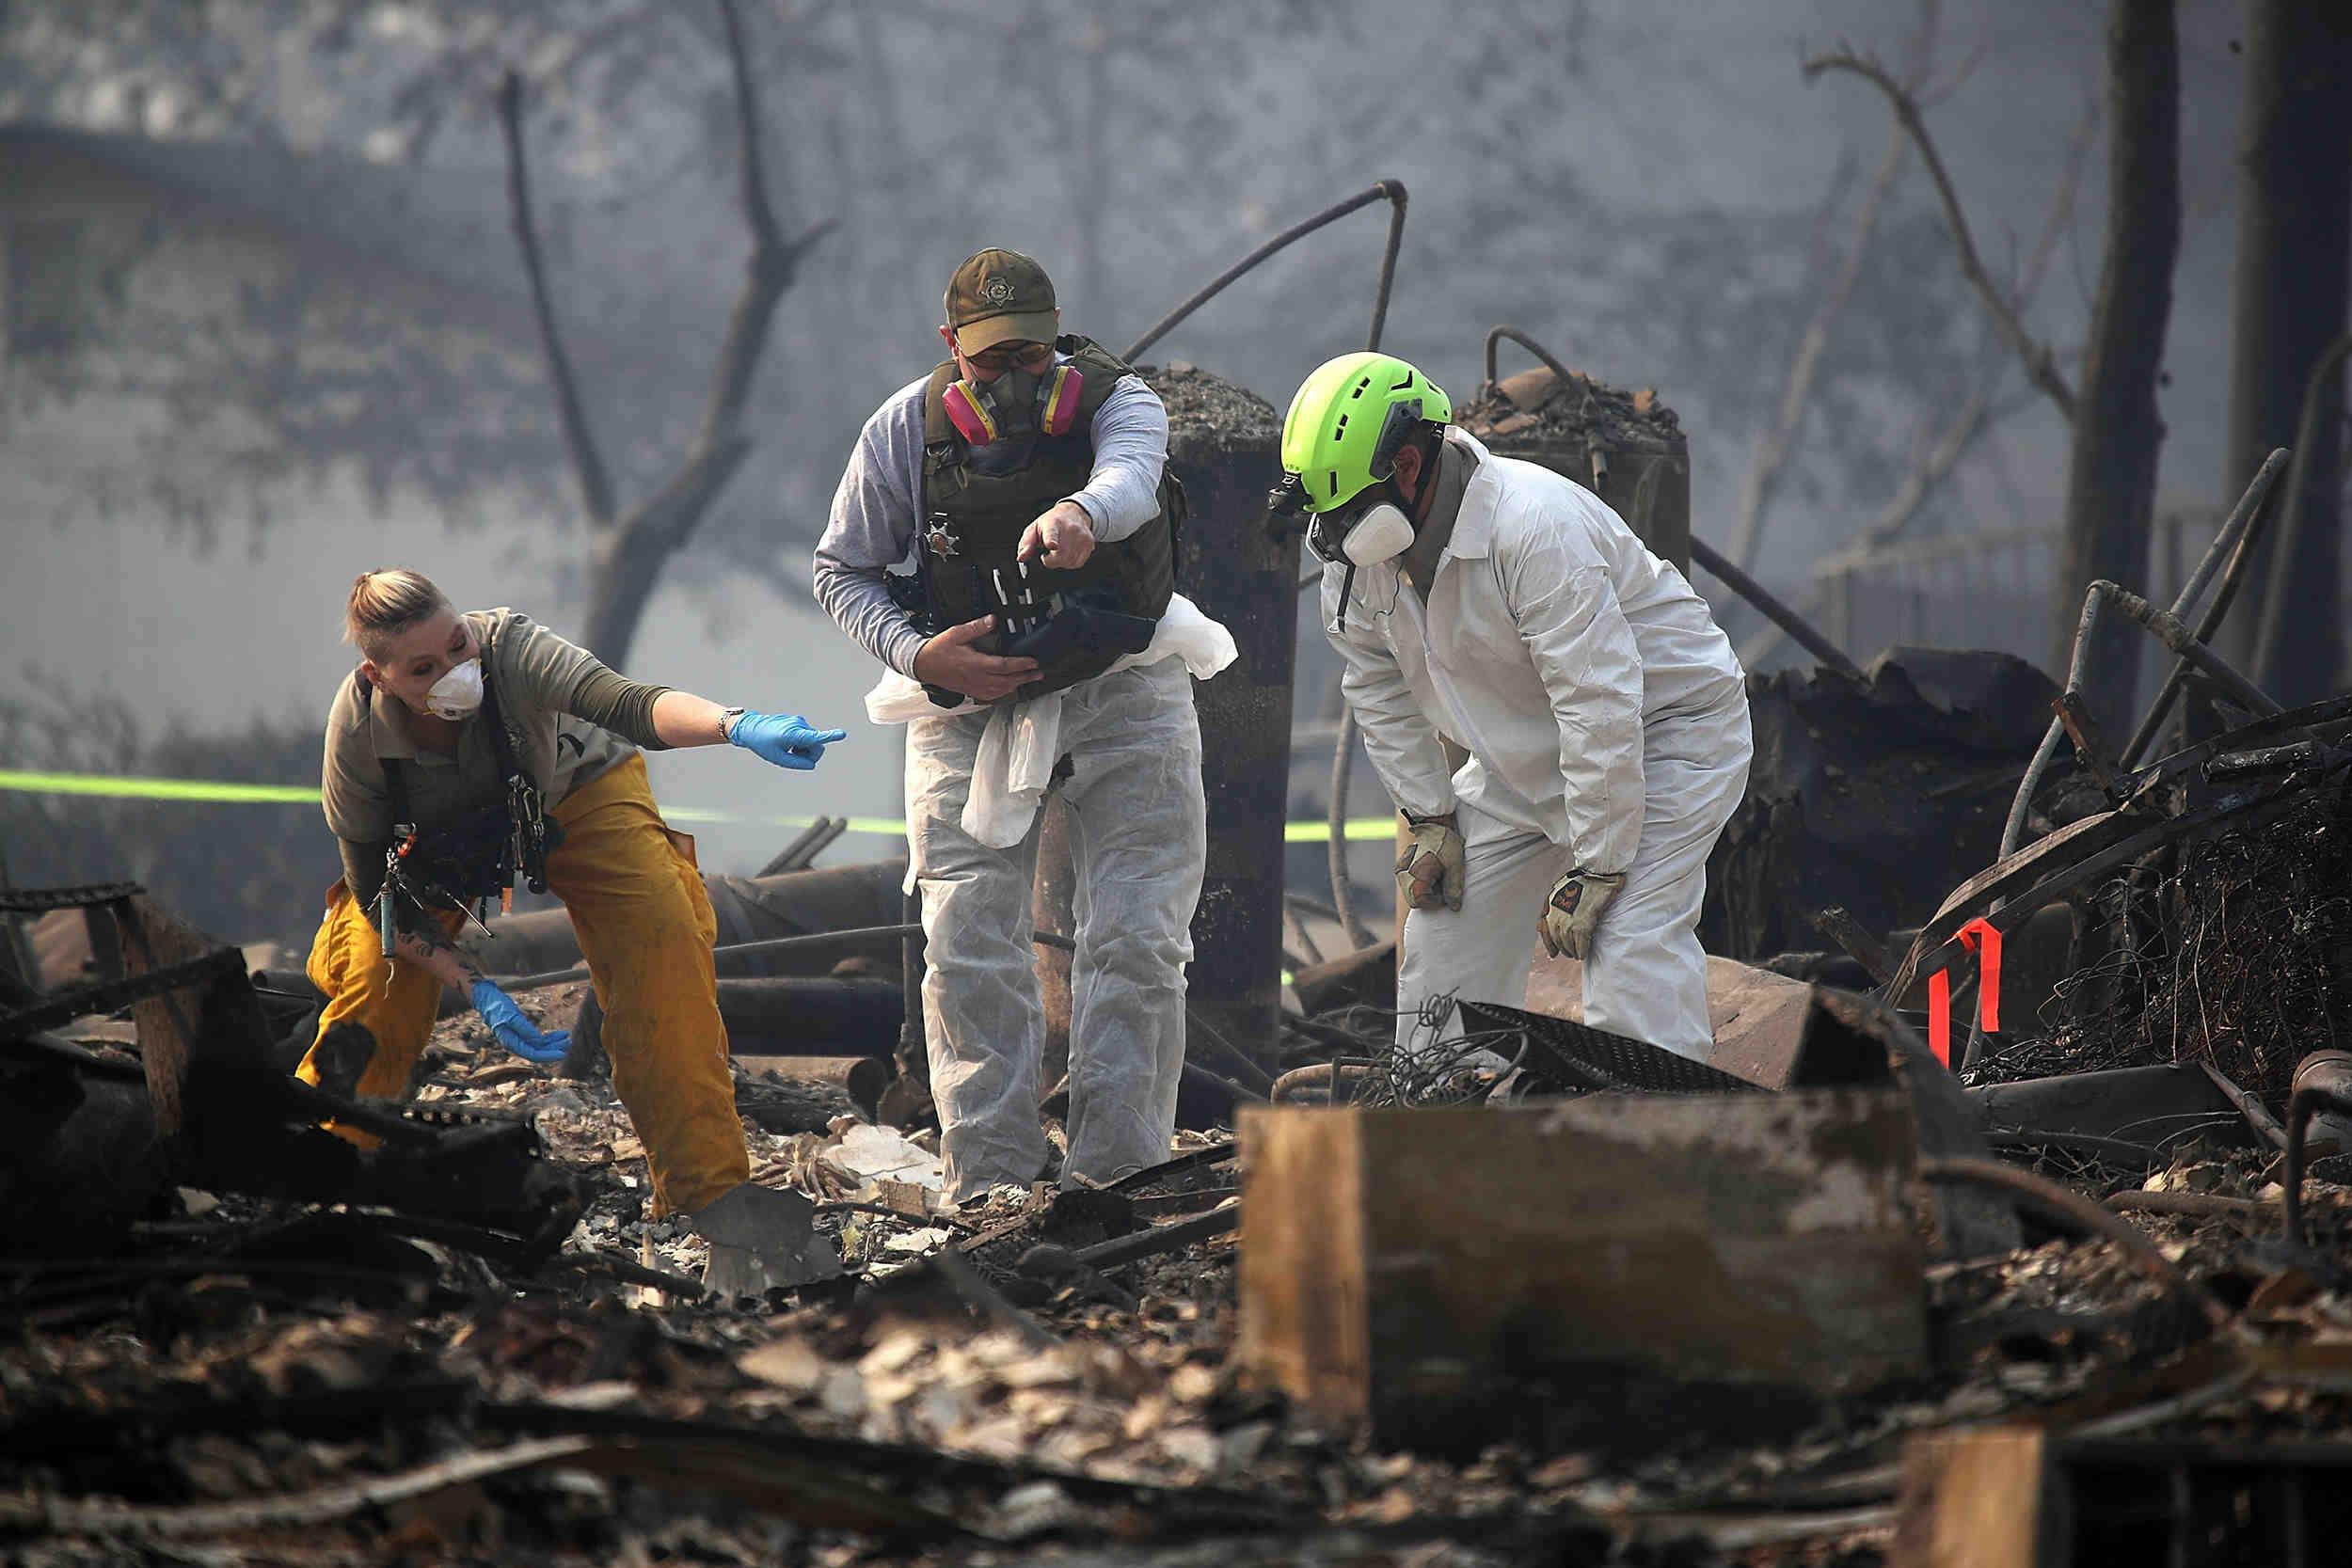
pixel 1574 910
pixel 1430 871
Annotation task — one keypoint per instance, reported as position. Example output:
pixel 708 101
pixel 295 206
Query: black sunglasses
pixel 1004 356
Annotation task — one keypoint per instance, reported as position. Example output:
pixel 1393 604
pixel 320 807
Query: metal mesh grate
pixel 1582 1058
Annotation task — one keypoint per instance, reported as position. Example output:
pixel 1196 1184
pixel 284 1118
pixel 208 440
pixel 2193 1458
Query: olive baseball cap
pixel 1000 296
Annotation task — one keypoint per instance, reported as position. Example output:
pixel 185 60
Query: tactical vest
pixel 977 501
pixel 478 855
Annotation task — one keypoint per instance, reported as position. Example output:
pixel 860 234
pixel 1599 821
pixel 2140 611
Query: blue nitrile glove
pixel 783 739
pixel 516 1032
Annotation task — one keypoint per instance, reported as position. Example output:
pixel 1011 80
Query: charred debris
pixel 1526 1292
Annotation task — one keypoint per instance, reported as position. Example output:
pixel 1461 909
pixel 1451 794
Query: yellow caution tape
pixel 156 789
pixel 217 792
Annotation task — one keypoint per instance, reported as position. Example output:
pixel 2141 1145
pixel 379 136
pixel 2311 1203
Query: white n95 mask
pixel 1382 534
pixel 457 694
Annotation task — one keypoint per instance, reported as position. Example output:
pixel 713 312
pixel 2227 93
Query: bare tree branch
pixel 596 481
pixel 659 529
pixel 2061 213
pixel 1958 436
pixel 1976 417
pixel 1772 453
pixel 2040 362
pixel 630 561
pixel 774 263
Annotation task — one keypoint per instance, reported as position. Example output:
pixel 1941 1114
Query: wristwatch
pixel 726 722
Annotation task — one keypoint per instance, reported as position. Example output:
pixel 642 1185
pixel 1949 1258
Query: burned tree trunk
pixel 2118 434
pixel 2294 241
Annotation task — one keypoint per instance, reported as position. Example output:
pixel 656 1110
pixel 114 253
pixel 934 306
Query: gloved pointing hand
pixel 516 1032
pixel 1431 870
pixel 1573 911
pixel 783 739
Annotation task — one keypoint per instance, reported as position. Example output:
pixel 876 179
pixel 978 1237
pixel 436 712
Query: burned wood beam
pixel 811 841
pixel 1425 1271
pixel 776 1467
pixel 121 1520
pixel 1155 1240
pixel 1184 1165
pixel 2027 1494
pixel 2197 1206
pixel 768 944
pixel 1862 947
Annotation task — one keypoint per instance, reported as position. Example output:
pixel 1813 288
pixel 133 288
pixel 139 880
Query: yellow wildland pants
pixel 645 927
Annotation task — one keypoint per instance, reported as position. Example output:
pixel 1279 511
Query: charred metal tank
pixel 1223 445
pixel 1626 448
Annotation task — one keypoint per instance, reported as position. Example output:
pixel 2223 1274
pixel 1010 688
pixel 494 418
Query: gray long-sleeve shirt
pixel 872 524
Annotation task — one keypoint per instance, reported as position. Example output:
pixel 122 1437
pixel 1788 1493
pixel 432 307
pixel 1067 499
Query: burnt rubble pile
pixel 1206 408
pixel 2236 949
pixel 1537 405
pixel 1876 797
pixel 2084 1278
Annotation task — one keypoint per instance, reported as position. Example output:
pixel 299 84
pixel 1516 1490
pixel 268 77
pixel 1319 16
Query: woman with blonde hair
pixel 468 751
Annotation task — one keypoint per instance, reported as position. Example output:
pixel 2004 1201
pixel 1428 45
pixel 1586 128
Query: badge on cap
pixel 999 291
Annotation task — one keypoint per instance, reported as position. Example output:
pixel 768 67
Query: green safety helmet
pixel 1348 420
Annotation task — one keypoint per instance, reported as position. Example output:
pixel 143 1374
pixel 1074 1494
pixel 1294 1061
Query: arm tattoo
pixel 433 941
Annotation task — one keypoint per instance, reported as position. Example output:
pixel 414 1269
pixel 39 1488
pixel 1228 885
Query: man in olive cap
pixel 1039 639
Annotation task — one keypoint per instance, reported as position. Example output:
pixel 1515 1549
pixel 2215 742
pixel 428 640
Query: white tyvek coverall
pixel 1607 723
pixel 1139 837
pixel 1141 828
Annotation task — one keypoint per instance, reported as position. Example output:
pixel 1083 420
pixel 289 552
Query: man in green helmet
pixel 1495 604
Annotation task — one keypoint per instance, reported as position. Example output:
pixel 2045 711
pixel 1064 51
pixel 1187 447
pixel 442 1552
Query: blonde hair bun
pixel 386 602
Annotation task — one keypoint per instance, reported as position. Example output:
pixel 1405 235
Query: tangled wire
pixel 1431 1067
pixel 2239 952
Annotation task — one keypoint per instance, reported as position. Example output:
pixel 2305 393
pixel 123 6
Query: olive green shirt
pixel 568 721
